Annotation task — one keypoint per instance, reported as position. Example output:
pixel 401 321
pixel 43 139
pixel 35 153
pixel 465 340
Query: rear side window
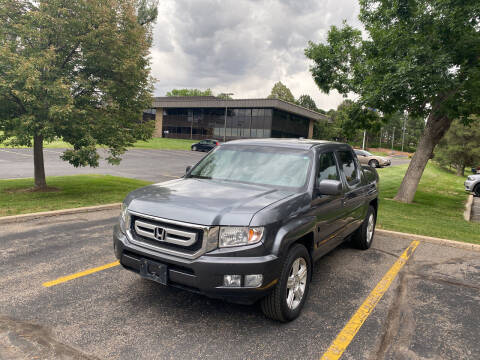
pixel 349 167
pixel 327 167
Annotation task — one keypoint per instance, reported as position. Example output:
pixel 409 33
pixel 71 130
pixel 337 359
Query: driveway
pixel 431 310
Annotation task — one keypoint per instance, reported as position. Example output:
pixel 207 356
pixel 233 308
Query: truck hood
pixel 205 202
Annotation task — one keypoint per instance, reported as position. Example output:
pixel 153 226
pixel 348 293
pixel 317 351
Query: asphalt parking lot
pixel 145 164
pixel 430 311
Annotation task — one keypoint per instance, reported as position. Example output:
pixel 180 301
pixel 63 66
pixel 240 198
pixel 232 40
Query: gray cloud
pixel 243 46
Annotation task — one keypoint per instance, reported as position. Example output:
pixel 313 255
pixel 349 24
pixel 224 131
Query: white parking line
pixel 53 151
pixel 16 153
pixel 18 178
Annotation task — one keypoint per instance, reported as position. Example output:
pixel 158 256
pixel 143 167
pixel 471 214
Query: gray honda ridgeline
pixel 249 220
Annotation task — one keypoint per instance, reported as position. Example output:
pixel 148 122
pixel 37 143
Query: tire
pixel 363 237
pixel 476 190
pixel 282 304
pixel 374 163
pixel 194 148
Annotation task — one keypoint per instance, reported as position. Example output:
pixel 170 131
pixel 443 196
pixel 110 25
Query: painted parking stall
pixel 97 309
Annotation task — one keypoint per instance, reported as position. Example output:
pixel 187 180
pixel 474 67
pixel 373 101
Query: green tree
pixel 225 96
pixel 280 91
pixel 460 147
pixel 307 102
pixel 419 56
pixel 76 70
pixel 190 92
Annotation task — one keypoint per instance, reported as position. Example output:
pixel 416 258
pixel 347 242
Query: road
pixel 146 164
pixel 431 310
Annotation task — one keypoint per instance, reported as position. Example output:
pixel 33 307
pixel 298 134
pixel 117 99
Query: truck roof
pixel 295 143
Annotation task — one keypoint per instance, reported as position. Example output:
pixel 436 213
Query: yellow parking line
pixel 343 339
pixel 80 274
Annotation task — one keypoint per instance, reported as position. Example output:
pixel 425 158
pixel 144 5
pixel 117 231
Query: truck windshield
pixel 256 165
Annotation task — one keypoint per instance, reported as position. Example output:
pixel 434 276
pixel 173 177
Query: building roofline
pixel 213 102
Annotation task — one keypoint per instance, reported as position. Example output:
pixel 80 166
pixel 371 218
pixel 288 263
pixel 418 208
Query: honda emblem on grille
pixel 159 233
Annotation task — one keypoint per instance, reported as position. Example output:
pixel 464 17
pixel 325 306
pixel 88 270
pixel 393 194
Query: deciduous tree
pixel 280 91
pixel 190 92
pixel 307 102
pixel 420 56
pixel 460 147
pixel 76 70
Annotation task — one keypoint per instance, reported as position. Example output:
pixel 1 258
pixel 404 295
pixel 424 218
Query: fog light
pixel 254 280
pixel 232 280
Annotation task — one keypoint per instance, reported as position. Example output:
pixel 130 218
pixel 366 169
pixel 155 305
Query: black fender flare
pixel 290 232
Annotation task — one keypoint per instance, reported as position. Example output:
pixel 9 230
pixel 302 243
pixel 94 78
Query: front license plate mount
pixel 154 271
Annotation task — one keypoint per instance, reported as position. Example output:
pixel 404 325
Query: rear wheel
pixel 286 301
pixel 363 237
pixel 374 163
pixel 194 148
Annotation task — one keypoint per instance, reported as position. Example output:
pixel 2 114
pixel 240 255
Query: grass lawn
pixel 74 191
pixel 165 144
pixel 380 153
pixel 437 209
pixel 154 143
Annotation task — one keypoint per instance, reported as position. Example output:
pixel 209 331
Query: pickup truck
pixel 249 220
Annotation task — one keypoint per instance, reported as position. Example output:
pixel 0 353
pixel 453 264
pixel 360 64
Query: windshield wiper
pixel 199 177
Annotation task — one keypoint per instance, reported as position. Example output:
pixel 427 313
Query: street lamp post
pixel 393 136
pixel 404 127
pixel 225 124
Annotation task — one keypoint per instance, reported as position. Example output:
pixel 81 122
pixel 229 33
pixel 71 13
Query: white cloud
pixel 243 47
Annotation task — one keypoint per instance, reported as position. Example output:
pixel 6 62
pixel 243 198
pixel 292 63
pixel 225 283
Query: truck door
pixel 327 209
pixel 353 198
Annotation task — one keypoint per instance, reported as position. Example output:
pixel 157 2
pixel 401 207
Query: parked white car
pixel 472 184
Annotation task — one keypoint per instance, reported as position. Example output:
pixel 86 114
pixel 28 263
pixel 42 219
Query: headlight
pixel 239 235
pixel 470 178
pixel 124 218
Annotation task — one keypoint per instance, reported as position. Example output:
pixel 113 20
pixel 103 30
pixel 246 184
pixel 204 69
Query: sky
pixel 244 46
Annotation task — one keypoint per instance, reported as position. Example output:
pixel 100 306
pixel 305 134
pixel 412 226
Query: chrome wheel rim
pixel 296 283
pixel 370 228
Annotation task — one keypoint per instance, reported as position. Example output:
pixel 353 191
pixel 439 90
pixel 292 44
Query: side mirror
pixel 329 187
pixel 187 170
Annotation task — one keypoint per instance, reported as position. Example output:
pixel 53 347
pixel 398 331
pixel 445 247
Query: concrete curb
pixel 467 214
pixel 24 217
pixel 432 240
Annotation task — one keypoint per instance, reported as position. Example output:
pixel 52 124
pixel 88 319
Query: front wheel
pixel 363 237
pixel 286 301
pixel 476 190
pixel 374 163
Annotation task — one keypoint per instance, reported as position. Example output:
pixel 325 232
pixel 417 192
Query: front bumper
pixel 204 274
pixel 469 185
pixel 386 163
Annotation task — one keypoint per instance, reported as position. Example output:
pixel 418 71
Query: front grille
pixel 167 236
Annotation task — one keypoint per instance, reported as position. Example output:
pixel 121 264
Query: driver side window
pixel 327 167
pixel 349 166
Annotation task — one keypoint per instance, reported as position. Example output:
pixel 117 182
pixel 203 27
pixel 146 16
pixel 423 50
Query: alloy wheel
pixel 296 283
pixel 370 228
